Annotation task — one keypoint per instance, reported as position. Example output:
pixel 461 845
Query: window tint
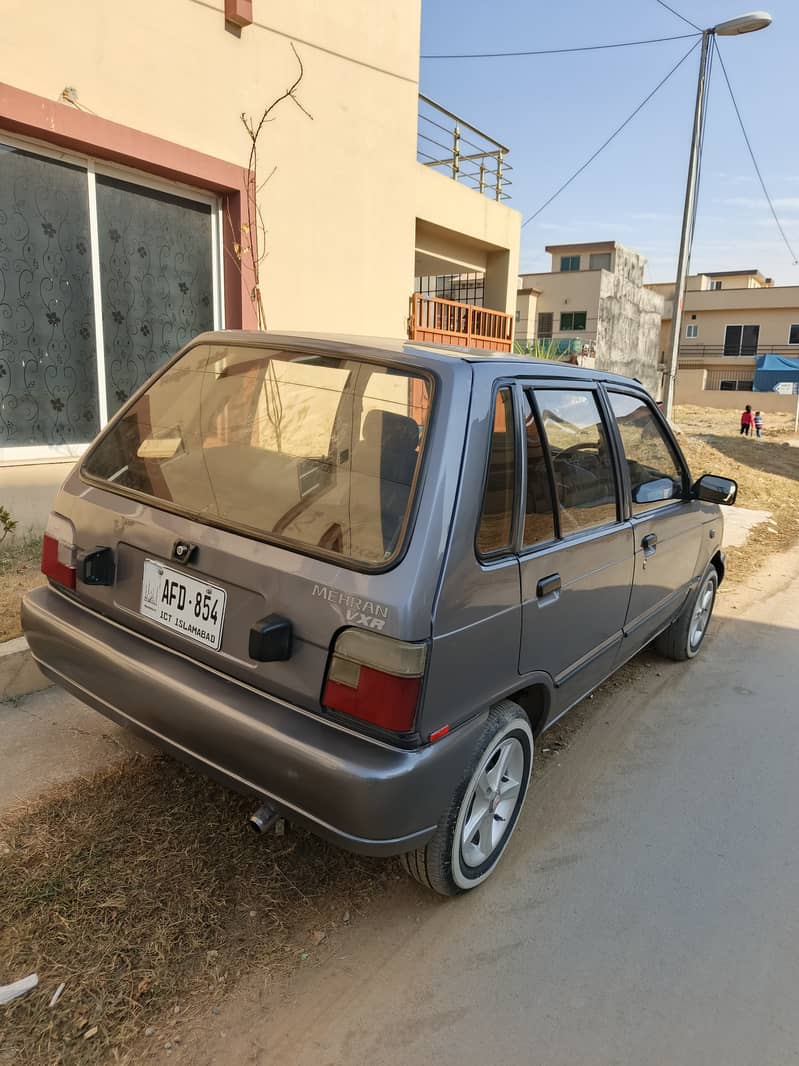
pixel 496 519
pixel 315 450
pixel 581 459
pixel 655 475
pixel 539 521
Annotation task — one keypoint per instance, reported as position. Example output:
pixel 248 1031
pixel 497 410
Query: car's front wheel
pixel 475 830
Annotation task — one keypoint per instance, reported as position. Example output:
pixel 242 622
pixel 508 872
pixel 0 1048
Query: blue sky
pixel 554 111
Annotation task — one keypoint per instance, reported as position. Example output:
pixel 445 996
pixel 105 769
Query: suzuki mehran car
pixel 357 579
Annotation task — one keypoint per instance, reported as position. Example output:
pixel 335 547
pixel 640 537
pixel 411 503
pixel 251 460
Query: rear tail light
pixel 375 678
pixel 59 551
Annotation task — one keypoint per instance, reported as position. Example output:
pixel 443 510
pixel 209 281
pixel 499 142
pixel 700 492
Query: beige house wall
pixel 775 309
pixel 342 205
pixel 690 389
pixel 343 191
pixel 573 291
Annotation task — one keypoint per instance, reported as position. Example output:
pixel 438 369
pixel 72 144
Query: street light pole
pixel 687 227
pixel 757 20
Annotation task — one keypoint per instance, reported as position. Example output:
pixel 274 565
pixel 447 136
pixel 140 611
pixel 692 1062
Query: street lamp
pixel 755 20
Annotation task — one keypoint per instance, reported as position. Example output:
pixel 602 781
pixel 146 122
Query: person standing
pixel 747 418
pixel 758 424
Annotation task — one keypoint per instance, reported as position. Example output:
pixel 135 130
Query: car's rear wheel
pixel 476 828
pixel 685 636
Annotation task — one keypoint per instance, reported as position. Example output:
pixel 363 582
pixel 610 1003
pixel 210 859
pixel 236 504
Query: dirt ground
pixel 767 472
pixel 19 572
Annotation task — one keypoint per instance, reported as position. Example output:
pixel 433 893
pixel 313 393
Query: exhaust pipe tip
pixel 263 819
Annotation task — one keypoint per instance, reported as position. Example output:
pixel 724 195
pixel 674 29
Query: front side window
pixel 572 320
pixel 581 458
pixel 314 450
pixel 655 475
pixel 496 517
pixel 539 519
pixel 569 263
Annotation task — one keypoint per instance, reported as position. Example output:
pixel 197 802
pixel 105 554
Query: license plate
pixel 176 601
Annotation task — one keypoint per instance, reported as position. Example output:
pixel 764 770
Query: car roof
pixel 419 353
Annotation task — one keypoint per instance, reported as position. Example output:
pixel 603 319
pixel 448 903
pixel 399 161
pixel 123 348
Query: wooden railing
pixel 439 321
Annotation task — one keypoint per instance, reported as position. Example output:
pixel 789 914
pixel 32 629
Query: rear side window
pixel 318 451
pixel 496 517
pixel 582 466
pixel 655 475
pixel 539 520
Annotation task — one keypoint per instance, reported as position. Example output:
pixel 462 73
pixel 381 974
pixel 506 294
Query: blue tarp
pixel 771 370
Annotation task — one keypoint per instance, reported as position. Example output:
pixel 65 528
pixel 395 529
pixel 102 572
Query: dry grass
pixel 142 889
pixel 19 572
pixel 767 472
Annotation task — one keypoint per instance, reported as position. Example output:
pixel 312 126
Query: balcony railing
pixel 452 146
pixel 747 351
pixel 438 321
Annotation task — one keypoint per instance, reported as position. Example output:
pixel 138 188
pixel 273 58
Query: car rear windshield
pixel 319 451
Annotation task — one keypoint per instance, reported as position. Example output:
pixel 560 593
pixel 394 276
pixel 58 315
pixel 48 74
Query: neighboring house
pixel 593 300
pixel 729 319
pixel 125 198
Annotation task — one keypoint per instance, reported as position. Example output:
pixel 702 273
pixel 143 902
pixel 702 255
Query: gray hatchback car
pixel 358 578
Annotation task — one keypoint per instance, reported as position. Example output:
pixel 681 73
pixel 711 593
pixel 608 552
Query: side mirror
pixel 715 489
pixel 663 488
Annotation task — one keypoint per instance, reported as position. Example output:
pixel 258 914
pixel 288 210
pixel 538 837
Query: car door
pixel 667 524
pixel 576 555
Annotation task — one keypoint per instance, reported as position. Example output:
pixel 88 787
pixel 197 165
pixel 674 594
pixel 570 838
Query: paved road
pixel 647 911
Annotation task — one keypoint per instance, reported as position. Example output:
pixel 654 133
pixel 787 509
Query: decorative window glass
pixel 48 367
pixel 156 280
pixel 66 365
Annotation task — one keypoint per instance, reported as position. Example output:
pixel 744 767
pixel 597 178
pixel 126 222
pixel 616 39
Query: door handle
pixel 649 543
pixel 547 586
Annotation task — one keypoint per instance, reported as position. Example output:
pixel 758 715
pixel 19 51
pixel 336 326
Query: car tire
pixel 686 634
pixel 474 831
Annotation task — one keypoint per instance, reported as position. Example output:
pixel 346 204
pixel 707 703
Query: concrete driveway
pixel 646 911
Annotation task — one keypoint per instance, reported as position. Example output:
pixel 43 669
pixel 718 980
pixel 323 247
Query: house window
pixel 793 334
pixel 569 263
pixel 741 340
pixel 108 278
pixel 572 320
pixel 545 323
pixel 599 261
pixel 715 285
pixel 692 332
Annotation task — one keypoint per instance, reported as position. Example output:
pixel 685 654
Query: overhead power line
pixel 679 16
pixel 559 51
pixel 754 160
pixel 612 137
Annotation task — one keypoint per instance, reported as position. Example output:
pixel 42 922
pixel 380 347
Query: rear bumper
pixel 362 794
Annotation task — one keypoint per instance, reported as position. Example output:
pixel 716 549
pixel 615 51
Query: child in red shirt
pixel 747 420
